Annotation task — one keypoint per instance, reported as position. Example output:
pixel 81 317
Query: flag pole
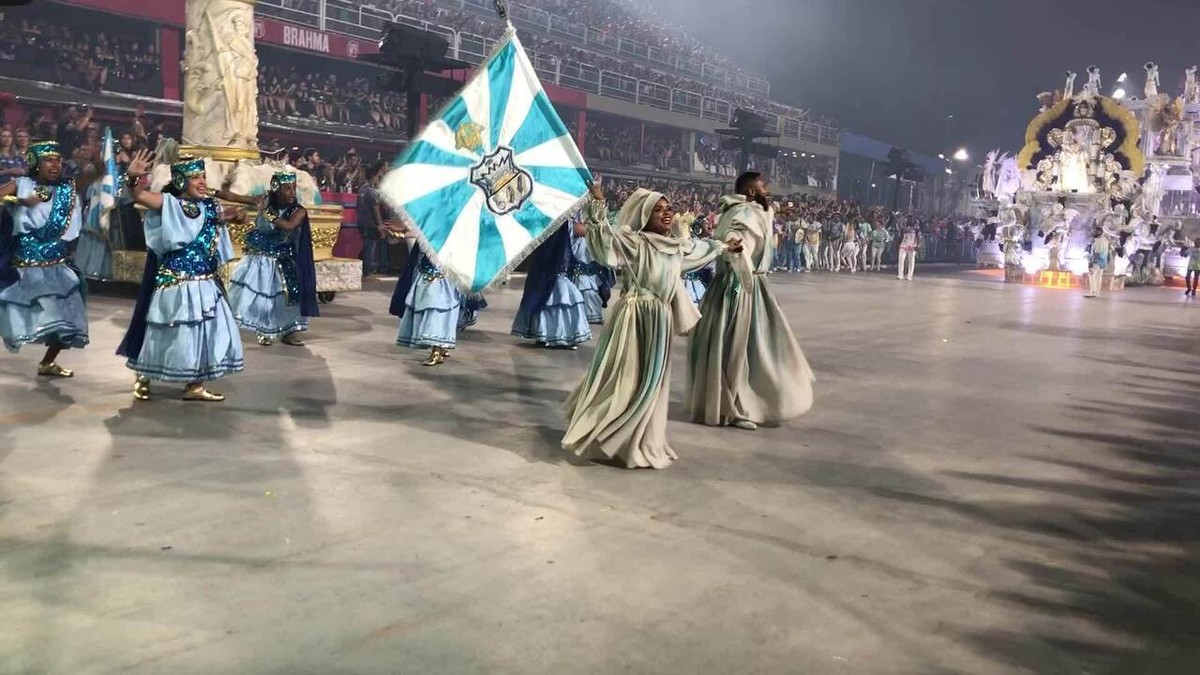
pixel 502 11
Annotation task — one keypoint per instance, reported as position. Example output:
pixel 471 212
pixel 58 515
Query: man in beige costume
pixel 745 367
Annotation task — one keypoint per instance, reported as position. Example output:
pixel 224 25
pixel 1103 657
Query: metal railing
pixel 590 36
pixel 366 21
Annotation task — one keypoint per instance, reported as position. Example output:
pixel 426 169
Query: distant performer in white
pixel 1191 91
pixel 1151 80
pixel 910 239
pixel 1092 88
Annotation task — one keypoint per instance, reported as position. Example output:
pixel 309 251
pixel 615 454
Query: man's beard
pixel 763 201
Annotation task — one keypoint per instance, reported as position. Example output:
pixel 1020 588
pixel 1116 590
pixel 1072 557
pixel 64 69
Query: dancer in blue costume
pixel 431 309
pixel 594 281
pixel 273 291
pixel 697 281
pixel 41 293
pixel 182 328
pixel 93 253
pixel 553 311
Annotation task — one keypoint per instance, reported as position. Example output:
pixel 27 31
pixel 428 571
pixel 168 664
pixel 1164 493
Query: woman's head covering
pixel 282 178
pixel 636 211
pixel 39 150
pixel 184 168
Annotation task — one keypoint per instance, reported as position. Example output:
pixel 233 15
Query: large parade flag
pixel 492 176
pixel 108 182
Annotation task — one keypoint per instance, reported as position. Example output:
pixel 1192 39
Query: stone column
pixel 220 94
pixel 220 122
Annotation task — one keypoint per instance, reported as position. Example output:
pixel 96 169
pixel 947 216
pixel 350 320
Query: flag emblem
pixel 505 184
pixel 469 137
pixel 492 176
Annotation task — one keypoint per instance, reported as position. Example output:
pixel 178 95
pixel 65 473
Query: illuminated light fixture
pixel 1119 94
pixel 941 155
pixel 962 155
pixel 1123 77
pixel 1048 279
pixel 949 172
pixel 872 185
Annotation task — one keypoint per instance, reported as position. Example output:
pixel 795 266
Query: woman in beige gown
pixel 619 410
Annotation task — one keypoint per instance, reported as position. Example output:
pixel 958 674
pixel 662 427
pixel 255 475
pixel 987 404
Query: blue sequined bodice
pixel 428 270
pixel 579 269
pixel 274 242
pixel 45 246
pixel 33 251
pixel 198 259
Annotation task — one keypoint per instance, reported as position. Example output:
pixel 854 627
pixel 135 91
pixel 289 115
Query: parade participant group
pixel 515 189
pixel 707 280
pixel 745 367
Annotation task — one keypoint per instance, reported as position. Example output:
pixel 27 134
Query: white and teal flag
pixel 492 176
pixel 108 182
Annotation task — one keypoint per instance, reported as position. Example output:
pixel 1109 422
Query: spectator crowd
pixel 79 133
pixel 619 18
pixel 319 95
pixel 98 60
pixel 697 205
pixel 340 171
pixel 630 20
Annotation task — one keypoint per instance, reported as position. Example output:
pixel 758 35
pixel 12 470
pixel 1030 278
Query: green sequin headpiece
pixel 282 178
pixel 185 168
pixel 40 149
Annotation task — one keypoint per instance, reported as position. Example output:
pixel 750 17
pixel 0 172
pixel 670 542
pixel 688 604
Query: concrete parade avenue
pixel 995 478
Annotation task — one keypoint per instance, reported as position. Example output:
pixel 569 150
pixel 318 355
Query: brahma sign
pixel 336 45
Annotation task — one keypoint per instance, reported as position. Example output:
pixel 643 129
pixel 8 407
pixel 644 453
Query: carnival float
pixel 1128 165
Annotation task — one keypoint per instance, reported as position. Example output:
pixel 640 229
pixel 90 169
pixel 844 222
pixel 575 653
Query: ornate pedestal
pixel 333 274
pixel 339 275
pixel 324 220
pixel 128 266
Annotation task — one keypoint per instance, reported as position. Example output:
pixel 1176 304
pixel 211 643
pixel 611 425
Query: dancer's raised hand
pixel 140 163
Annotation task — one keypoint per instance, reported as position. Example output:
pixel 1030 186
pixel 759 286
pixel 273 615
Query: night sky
pixel 896 70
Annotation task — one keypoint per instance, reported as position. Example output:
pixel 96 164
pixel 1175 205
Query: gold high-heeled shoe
pixel 53 370
pixel 292 340
pixel 265 340
pixel 436 358
pixel 141 389
pixel 199 393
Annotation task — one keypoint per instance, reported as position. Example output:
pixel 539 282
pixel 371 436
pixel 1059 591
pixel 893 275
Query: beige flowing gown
pixel 744 361
pixel 619 410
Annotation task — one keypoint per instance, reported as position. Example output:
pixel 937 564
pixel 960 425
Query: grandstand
pixel 642 98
